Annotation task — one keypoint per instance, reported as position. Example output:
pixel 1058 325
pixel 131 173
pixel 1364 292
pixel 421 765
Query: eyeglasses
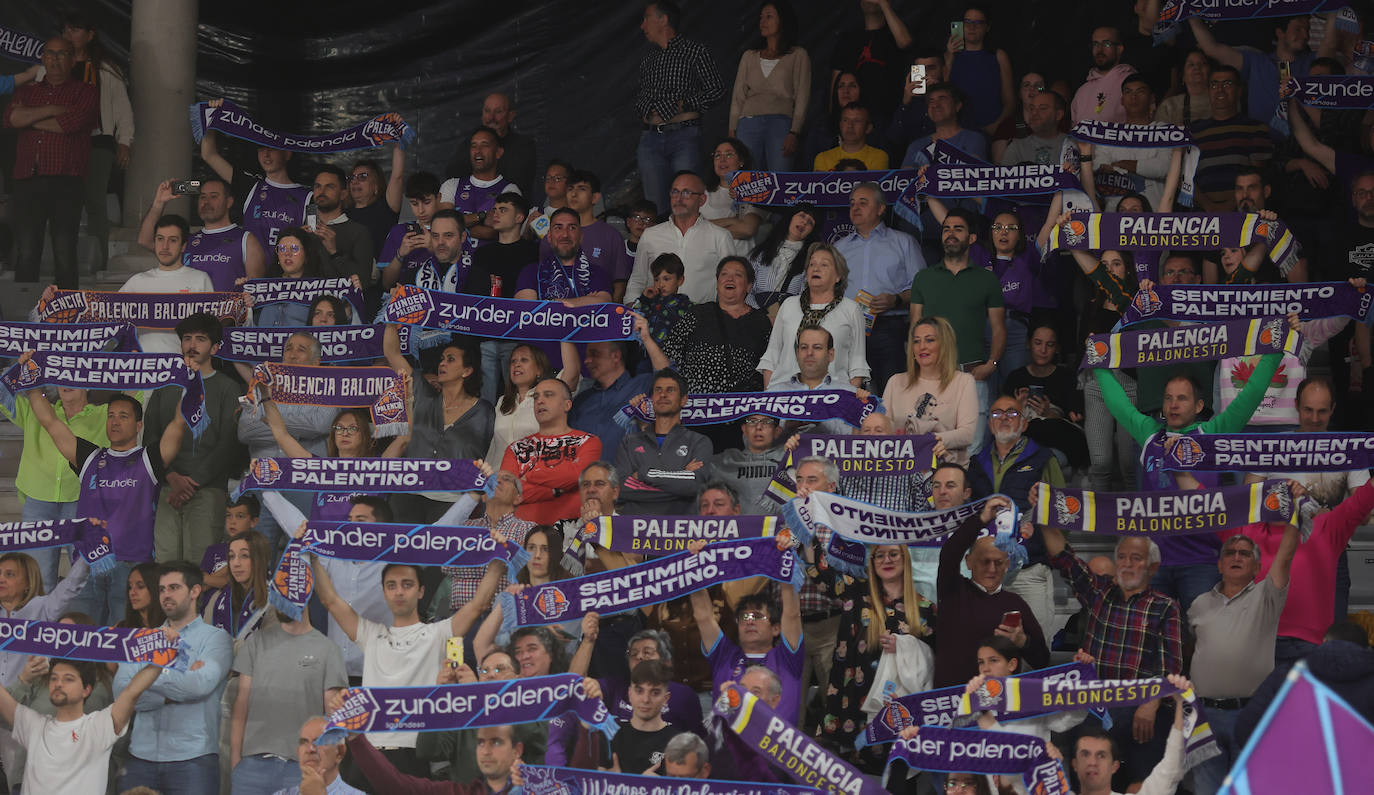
pixel 1006 227
pixel 643 219
pixel 1011 414
pixel 678 192
pixel 1363 193
pixel 723 155
pixel 1106 45
pixel 1221 84
pixel 951 785
pixel 647 653
pixel 555 178
pixel 753 615
pixel 288 248
pixel 359 177
pixel 887 554
pixel 495 669
pixel 347 430
pixel 760 421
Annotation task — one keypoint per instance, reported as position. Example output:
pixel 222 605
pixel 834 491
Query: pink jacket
pixel 1099 98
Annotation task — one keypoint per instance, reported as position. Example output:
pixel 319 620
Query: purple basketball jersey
pixel 271 208
pixel 333 506
pixel 470 198
pixel 121 489
pixel 219 254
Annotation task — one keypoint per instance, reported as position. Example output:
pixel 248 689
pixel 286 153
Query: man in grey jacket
pixel 664 464
pixel 750 469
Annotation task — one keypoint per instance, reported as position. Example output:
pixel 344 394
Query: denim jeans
pixel 258 774
pixel 980 431
pixel 104 596
pixel 495 369
pixel 661 155
pixel 190 777
pixel 1207 777
pixel 1289 650
pixel 764 136
pixel 1186 583
pixel 38 510
pixel 1016 355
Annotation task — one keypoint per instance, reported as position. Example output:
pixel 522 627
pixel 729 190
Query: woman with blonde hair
pixel 22 597
pixel 933 396
pixel 821 303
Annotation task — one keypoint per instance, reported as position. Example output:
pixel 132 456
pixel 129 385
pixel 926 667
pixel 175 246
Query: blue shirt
pixel 335 787
pixel 970 142
pixel 1260 71
pixel 178 717
pixel 283 315
pixel 594 408
pixel 884 262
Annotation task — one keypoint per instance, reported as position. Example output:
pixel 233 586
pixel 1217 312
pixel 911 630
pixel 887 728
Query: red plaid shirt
pixel 463 581
pixel 39 153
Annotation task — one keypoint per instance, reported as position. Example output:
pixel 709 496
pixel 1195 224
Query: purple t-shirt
pixel 219 254
pixel 604 247
pixel 1015 274
pixel 216 557
pixel 469 197
pixel 121 488
pixel 420 259
pixel 271 208
pixel 728 663
pixel 551 280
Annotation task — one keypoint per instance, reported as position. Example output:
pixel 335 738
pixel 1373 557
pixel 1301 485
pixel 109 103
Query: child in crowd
pixel 661 304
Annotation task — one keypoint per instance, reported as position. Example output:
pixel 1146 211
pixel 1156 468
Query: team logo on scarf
pixel 386 128
pixel 753 187
pixel 1067 508
pixel 1097 352
pixel 409 305
pixel 988 694
pixel 29 372
pixel 266 470
pixel 1075 232
pixel 551 603
pixel 1182 451
pixel 1147 302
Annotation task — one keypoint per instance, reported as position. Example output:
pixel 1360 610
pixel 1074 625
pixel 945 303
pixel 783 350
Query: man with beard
pixel 664 464
pixel 348 242
pixel 448 238
pixel 517 156
pixel 1099 98
pixel 69 751
pixel 222 249
pixel 1253 266
pixel 970 298
pixel 566 275
pixel 170 276
pixel 270 203
pixel 175 745
pixel 474 195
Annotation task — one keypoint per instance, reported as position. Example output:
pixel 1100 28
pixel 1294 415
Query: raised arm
pixel 395 184
pixel 209 152
pixel 703 612
pixel 254 258
pixel 62 436
pixel 391 348
pixel 582 658
pixel 657 357
pixel 791 616
pixel 571 373
pixel 484 642
pixel 170 444
pixel 467 615
pixel 1221 53
pixel 288 444
pixel 342 611
pixel 148 229
pixel 122 711
pixel 1307 141
pixel 1282 566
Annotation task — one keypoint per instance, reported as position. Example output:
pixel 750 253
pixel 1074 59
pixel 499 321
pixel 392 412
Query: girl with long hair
pixel 299 254
pixel 933 396
pixel 772 89
pixel 240 607
pixel 515 410
pixel 22 597
pixel 142 608
pixel 780 260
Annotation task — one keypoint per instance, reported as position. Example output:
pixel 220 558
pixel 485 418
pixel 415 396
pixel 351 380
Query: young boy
pixel 661 304
pixel 406 250
pixel 240 516
pixel 638 745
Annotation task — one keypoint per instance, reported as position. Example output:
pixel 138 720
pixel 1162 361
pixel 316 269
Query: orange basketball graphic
pixel 1266 336
pixel 355 722
pixel 1271 501
pixel 1072 505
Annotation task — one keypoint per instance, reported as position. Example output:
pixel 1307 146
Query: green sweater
pixel 44 473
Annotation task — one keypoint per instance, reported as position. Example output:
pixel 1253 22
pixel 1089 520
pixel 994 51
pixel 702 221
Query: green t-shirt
pixel 963 299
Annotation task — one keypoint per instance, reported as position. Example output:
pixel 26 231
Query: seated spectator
pixel 683 708
pixel 639 743
pixel 601 242
pixel 549 461
pixel 814 352
pixel 855 125
pixel 1099 98
pixel 822 303
pixel 528 365
pixel 945 102
pixel 298 255
pixel 664 464
pixel 661 304
pixel 780 260
pixel 1052 402
pixel 686 756
pixel 319 763
pixel 610 387
pixel 1097 756
pixel 1147 171
pixel 740 219
pixel 982 72
pixel 1260 70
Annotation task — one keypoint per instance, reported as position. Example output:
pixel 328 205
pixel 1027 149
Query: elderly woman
pixel 821 303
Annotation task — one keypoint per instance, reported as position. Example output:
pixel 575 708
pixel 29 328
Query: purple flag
pixel 96 644
pixel 87 538
pixel 304 292
pixel 821 188
pixel 1165 513
pixel 338 344
pixel 145 310
pixel 664 535
pixel 508 318
pixel 1267 452
pixel 542 780
pixel 375 388
pixel 857 457
pixel 372 475
pixel 20 46
pixel 231 120
pixel 1178 232
pixel 1229 302
pixel 988 752
pixel 816 405
pixel 1172 12
pixel 15 338
pixel 1193 342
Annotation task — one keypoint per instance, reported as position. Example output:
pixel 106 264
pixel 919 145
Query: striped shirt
pixel 1228 146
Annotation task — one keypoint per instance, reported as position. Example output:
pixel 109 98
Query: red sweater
pixel 548 467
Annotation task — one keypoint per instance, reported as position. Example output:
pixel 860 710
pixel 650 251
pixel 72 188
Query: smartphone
pixel 186 187
pixel 414 229
pixel 918 78
pixel 1285 72
pixel 1035 389
pixel 312 215
pixel 1012 618
pixel 453 651
pixel 956 30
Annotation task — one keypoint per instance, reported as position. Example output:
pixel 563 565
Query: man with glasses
pixel 54 117
pixel 556 176
pixel 699 243
pixel 1260 70
pixel 1228 142
pixel 1099 98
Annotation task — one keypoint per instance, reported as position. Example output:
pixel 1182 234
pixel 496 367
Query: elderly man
pixel 1012 465
pixel 745 763
pixel 1235 624
pixel 699 243
pixel 1133 632
pixel 683 708
pixel 821 606
pixel 978 604
pixel 319 763
pixel 686 756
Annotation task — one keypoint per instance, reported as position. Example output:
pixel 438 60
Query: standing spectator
pixel 1044 139
pixel 496 269
pixel 874 54
pixel 1017 125
pixel 472 196
pixel 855 125
pixel 1053 403
pixel 347 242
pixel 1099 98
pixel 565 275
pixel 556 175
pixel 1260 70
pixel 24 598
pixel 1150 170
pixel 740 219
pixel 664 464
pixel 911 119
pixel 601 242
pixel 223 250
pixel 55 117
pixel 190 505
pixel 749 469
pixel 638 744
pixel 548 462
pixel 780 260
pixel 515 413
pixel 821 303
pixel 517 156
pixel 699 243
pixel 772 89
pixel 611 386
pixel 299 255
pixel 661 304
pixel 933 395
pixel 1229 142
pixel 374 203
pixel 1194 102
pixel 981 72
pixel 678 81
pixel 175 746
pixel 814 353
pixel 272 202
pixel 498 514
pixel 405 251
pixel 170 276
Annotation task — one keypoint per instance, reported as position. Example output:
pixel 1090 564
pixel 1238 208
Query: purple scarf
pixel 371 475
pixel 557 283
pixel 145 310
pixel 650 583
pixel 816 405
pixel 96 644
pixel 1269 452
pixel 235 622
pixel 231 120
pixel 542 780
pixel 303 292
pixel 15 338
pixel 1177 232
pixel 986 752
pixel 665 535
pixel 1194 342
pixel 1175 11
pixel 20 46
pixel 88 539
pixel 857 457
pixel 114 371
pixel 376 388
pixel 1170 513
pixel 508 318
pixel 1335 92
pixel 787 747
pixel 471 706
pixel 821 188
pixel 338 344
pixel 1229 302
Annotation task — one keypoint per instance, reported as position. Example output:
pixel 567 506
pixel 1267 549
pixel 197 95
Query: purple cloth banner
pixel 787 747
pixel 650 583
pixel 811 406
pixel 941 707
pixel 96 644
pixel 664 535
pixel 1335 92
pixel 1267 452
pixel 821 188
pixel 987 752
pixel 145 310
pixel 1172 12
pixel 451 707
pixel 292 581
pixel 542 780
pixel 1141 136
pixel 113 371
pixel 507 318
pixel 1229 302
pixel 338 344
pixel 961 181
pixel 871 524
pixel 15 338
pixel 1165 513
pixel 857 457
pixel 1177 232
pixel 375 388
pixel 88 539
pixel 229 119
pixel 19 46
pixel 1193 342
pixel 304 291
pixel 372 475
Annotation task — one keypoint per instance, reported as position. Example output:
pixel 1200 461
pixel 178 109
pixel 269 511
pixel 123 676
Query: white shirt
pixel 178 280
pixel 401 657
pixel 701 250
pixel 846 326
pixel 67 757
pixel 720 204
pixel 449 189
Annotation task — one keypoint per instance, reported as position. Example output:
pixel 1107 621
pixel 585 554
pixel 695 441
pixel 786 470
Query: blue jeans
pixel 764 135
pixel 1016 355
pixel 104 596
pixel 39 510
pixel 1289 650
pixel 661 155
pixel 1186 583
pixel 980 432
pixel 495 369
pixel 191 777
pixel 1207 777
pixel 258 774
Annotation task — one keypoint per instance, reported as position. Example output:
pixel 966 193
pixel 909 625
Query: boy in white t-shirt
pixel 70 752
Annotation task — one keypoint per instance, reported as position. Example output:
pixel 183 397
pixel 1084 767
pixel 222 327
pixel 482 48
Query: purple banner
pixel 1166 513
pixel 961 181
pixel 338 344
pixel 664 535
pixel 1177 232
pixel 96 644
pixel 88 539
pixel 145 310
pixel 808 406
pixel 376 388
pixel 19 46
pixel 821 188
pixel 987 752
pixel 1141 136
pixel 15 338
pixel 1175 11
pixel 1335 92
pixel 652 582
pixel 1266 452
pixel 1193 342
pixel 1229 302
pixel 113 371
pixel 229 119
pixel 292 581
pixel 372 475
pixel 304 292
pixel 542 780
pixel 507 318
pixel 452 707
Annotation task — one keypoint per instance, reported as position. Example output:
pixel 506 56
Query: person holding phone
pixel 983 73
